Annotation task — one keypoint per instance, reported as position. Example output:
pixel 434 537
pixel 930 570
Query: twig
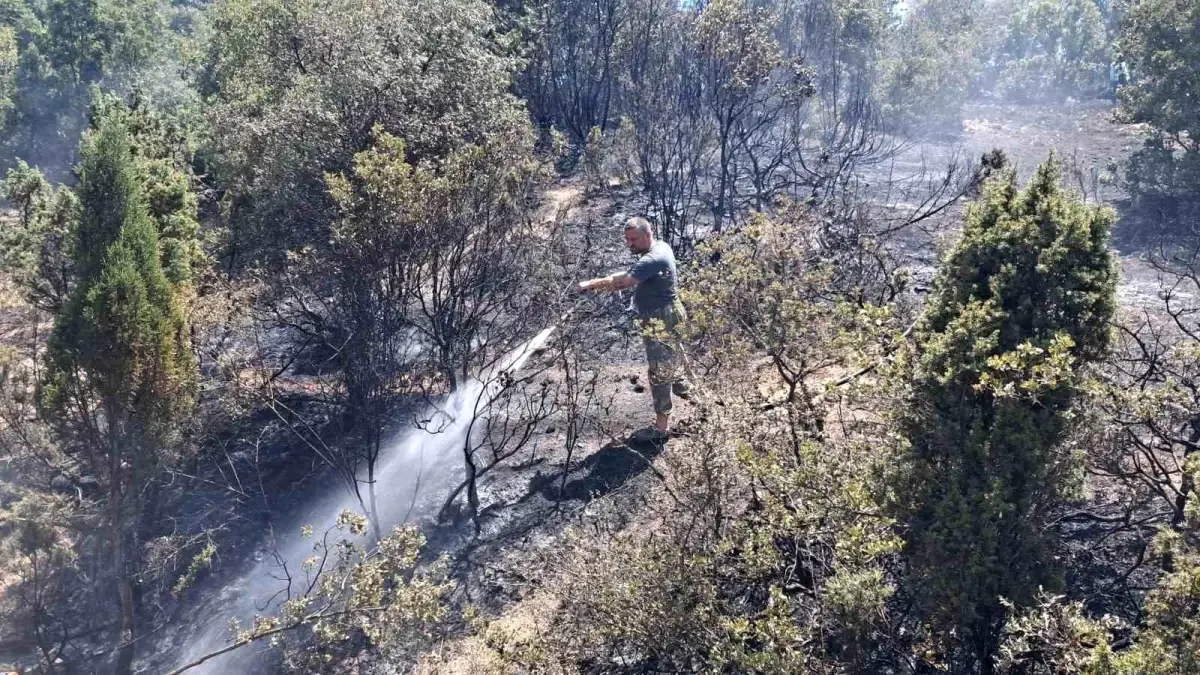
pixel 274 631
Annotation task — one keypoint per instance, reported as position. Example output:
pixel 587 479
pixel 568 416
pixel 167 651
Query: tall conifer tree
pixel 120 368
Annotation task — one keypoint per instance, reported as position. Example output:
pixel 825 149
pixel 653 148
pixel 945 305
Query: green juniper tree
pixel 1020 304
pixel 120 370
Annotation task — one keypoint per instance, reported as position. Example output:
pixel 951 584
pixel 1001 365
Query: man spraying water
pixel 655 298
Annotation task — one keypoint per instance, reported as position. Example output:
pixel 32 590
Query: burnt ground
pixel 1093 148
pixel 526 503
pixel 530 511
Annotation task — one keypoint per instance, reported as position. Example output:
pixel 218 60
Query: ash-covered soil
pixel 525 501
pixel 1093 147
pixel 528 501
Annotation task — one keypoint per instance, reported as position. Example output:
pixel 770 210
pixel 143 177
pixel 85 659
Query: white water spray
pixel 410 475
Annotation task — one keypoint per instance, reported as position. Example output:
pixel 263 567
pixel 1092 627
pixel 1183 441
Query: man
pixel 656 297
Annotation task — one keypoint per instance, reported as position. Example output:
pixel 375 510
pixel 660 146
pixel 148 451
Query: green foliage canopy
pixel 52 53
pixel 1054 49
pixel 295 89
pixel 1160 43
pixel 1020 304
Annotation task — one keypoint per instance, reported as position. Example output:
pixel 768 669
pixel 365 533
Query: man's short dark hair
pixel 640 224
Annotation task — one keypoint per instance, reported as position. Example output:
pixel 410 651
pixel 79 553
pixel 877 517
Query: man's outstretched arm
pixel 612 282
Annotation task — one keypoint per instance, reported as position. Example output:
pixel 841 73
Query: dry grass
pixel 522 623
pixel 559 205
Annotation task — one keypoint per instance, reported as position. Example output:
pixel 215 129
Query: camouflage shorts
pixel 664 355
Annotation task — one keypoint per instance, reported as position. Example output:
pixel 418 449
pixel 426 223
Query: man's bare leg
pixel 661 422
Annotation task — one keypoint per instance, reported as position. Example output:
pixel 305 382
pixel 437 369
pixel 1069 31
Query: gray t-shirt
pixel 655 273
